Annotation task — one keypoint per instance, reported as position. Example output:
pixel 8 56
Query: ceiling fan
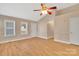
pixel 46 10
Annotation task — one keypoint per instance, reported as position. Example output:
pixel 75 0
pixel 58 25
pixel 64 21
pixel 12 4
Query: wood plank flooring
pixel 38 47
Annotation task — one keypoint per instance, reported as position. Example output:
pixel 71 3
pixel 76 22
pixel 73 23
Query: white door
pixel 74 30
pixel 34 29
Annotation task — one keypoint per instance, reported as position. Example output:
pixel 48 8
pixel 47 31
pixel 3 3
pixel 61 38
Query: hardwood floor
pixel 38 47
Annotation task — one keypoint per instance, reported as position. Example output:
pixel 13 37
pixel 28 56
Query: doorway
pixel 50 29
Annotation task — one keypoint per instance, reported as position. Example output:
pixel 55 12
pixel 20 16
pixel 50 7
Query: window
pixel 24 28
pixel 9 28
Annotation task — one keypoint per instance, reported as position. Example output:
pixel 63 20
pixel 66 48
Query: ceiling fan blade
pixel 52 8
pixel 42 4
pixel 40 14
pixel 49 12
pixel 37 10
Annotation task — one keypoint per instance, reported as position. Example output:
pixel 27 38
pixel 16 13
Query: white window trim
pixel 27 27
pixel 5 27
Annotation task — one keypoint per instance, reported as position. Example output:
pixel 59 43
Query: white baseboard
pixel 33 35
pixel 23 38
pixel 75 43
pixel 50 37
pixel 62 41
pixel 43 37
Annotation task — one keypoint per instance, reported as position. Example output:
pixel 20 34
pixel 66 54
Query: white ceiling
pixel 25 10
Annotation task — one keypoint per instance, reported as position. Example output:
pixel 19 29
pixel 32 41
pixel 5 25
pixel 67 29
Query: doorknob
pixel 71 32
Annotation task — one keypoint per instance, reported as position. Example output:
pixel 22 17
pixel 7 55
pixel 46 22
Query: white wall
pixel 42 30
pixel 43 27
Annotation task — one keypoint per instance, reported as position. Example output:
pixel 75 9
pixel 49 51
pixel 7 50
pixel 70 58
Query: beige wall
pixel 17 28
pixel 62 32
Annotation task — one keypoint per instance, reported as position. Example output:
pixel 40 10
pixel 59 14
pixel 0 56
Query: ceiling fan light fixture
pixel 44 12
